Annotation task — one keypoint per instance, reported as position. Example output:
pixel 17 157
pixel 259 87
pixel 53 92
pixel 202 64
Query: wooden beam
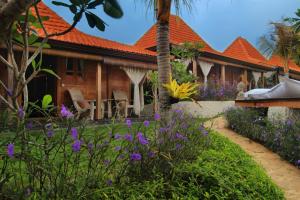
pixel 263 79
pixel 99 91
pixel 129 63
pixel 230 64
pixel 290 103
pixel 223 74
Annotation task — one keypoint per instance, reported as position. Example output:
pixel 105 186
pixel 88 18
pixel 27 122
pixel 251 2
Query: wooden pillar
pixel 98 91
pixel 245 77
pixel 195 69
pixel 223 75
pixel 263 80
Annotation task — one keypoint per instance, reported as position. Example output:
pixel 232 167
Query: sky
pixel 218 22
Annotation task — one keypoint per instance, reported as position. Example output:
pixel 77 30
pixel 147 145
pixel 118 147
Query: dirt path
pixel 283 173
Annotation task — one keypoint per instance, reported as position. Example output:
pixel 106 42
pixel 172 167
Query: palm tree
pixel 162 11
pixel 282 41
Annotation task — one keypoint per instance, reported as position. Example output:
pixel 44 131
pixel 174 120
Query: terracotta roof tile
pixel 277 61
pixel 58 24
pixel 180 32
pixel 241 49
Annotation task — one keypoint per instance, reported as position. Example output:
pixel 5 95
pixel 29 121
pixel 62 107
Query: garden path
pixel 284 174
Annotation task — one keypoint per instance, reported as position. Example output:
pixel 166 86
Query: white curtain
pixel 136 76
pixel 256 76
pixel 205 67
pixel 268 74
pixel 186 62
pixel 142 94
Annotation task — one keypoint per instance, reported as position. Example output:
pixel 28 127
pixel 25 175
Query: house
pixel 240 58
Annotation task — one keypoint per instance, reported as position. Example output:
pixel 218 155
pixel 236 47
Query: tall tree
pixel 18 28
pixel 163 11
pixel 282 41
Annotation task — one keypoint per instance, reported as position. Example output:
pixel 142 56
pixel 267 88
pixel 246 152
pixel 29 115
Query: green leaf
pixel 94 4
pixel 90 19
pixel 32 39
pixel 76 2
pixel 38 44
pixel 77 16
pixel 47 99
pixel 73 9
pixel 100 24
pixel 113 8
pixel 50 71
pixel 33 63
pixel 58 3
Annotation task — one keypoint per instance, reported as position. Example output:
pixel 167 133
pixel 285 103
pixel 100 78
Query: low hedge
pixel 282 137
pixel 224 171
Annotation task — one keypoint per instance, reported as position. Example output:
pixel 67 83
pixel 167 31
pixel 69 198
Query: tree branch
pixel 4 61
pixel 6 102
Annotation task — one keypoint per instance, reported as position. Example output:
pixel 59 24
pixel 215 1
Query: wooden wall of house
pixel 215 73
pixel 113 78
pixel 233 74
pixel 116 79
pixel 85 82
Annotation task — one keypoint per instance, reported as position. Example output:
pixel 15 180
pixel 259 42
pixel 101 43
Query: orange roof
pixel 241 49
pixel 58 24
pixel 278 61
pixel 180 32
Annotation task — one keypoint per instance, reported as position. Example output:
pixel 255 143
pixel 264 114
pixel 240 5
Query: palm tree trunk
pixel 163 61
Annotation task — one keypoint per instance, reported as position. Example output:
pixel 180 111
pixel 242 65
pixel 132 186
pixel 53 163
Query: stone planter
pixel 204 108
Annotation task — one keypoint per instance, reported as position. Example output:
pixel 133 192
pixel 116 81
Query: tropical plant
pixel 153 78
pixel 163 10
pixel 282 41
pixel 19 27
pixel 182 91
pixel 181 73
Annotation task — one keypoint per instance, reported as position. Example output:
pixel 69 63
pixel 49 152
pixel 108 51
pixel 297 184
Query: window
pixel 80 68
pixel 69 66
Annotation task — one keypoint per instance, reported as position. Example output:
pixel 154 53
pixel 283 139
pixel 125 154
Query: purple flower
pixel 178 146
pixel 162 130
pixel 129 123
pixel 76 146
pixel 74 133
pixel 29 125
pixel 50 133
pixel 118 148
pixel 117 136
pixel 298 162
pixel 121 156
pixel 289 122
pixel 10 92
pixel 157 116
pixel 21 113
pixel 146 123
pixel 180 136
pixel 106 162
pixel 135 157
pixel 142 139
pixel 128 137
pixel 109 182
pixel 151 154
pixel 90 146
pixel 10 150
pixel 65 113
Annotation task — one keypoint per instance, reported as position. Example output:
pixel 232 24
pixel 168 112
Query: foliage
pixel 281 137
pixel 182 91
pixel 188 50
pixel 180 73
pixel 65 160
pixel 282 41
pixel 215 91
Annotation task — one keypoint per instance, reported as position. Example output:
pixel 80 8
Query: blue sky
pixel 218 22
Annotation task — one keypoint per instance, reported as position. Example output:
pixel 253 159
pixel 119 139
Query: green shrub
pixel 281 137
